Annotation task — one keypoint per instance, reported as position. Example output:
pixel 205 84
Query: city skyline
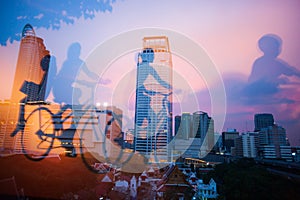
pixel 230 38
pixel 154 62
pixel 136 99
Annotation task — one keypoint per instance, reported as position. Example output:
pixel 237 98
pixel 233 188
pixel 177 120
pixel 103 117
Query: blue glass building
pixel 153 109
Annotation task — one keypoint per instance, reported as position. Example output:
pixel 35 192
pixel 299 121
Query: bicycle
pixel 161 120
pixel 49 128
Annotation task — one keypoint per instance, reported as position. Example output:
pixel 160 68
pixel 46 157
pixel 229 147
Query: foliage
pixel 50 15
pixel 245 180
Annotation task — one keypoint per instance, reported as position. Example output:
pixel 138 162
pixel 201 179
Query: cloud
pixel 50 15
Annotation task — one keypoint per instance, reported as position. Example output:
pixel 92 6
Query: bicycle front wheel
pixel 38 134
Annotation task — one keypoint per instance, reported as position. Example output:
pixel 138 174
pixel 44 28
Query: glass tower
pixel 153 109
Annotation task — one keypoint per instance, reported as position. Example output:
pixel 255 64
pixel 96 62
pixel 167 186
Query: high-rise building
pixel 32 65
pixel 153 109
pixel 203 127
pixel 196 130
pixel 263 120
pixel 185 125
pixel 201 124
pixel 246 145
pixel 195 136
pixel 29 83
pixel 177 124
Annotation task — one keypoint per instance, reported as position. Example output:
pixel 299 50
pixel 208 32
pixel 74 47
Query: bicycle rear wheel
pixel 38 135
pixel 99 142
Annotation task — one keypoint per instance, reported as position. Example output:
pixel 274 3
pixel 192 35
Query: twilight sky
pixel 227 30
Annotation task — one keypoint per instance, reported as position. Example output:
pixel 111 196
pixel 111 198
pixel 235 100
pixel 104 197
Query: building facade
pixel 29 84
pixel 177 124
pixel 195 136
pixel 246 145
pixel 272 141
pixel 30 69
pixel 153 109
pixel 228 138
pixel 185 126
pixel 263 120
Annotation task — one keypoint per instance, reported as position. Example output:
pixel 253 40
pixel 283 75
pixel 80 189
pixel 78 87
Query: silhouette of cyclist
pixel 31 97
pixel 147 57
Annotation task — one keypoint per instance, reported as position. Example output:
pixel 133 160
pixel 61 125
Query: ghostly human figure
pixel 268 71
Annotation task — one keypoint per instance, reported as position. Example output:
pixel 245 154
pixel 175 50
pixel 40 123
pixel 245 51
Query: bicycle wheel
pixel 38 135
pixel 99 142
pixel 87 130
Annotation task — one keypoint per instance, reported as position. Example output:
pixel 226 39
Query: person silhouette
pixel 147 57
pixel 268 70
pixel 38 96
pixel 63 84
pixel 51 75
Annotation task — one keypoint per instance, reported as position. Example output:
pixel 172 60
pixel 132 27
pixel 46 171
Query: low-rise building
pixel 206 191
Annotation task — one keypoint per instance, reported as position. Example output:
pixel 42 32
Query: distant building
pixel 202 126
pixel 246 145
pixel 273 143
pixel 195 137
pixel 271 152
pixel 129 136
pixel 218 142
pixel 196 130
pixel 228 138
pixel 187 148
pixel 296 153
pixel 237 149
pixel 185 126
pixel 177 124
pixel 263 120
pixel 206 191
pixel 273 135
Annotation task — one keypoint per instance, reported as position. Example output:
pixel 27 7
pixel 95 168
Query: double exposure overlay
pixel 149 100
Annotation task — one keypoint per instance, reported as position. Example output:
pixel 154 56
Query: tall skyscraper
pixel 201 122
pixel 185 125
pixel 263 120
pixel 153 109
pixel 196 130
pixel 203 127
pixel 29 82
pixel 31 60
